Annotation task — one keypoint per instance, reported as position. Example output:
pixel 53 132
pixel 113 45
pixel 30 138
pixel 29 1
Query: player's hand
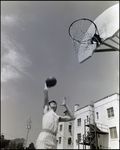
pixel 63 101
pixel 45 87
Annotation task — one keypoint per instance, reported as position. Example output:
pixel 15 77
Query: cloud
pixel 9 20
pixel 14 60
pixel 8 72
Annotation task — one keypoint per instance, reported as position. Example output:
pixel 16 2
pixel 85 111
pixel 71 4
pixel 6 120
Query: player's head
pixel 53 105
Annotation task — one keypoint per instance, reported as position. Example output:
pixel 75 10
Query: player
pixel 50 120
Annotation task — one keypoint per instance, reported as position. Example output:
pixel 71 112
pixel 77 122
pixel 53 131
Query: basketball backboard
pixel 107 25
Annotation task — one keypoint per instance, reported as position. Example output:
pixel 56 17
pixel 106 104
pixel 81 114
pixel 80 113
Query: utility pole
pixel 28 127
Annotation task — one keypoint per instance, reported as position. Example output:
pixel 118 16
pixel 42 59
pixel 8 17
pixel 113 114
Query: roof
pixel 106 97
pixel 97 101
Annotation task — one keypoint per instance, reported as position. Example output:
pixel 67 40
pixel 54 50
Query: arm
pixel 70 116
pixel 46 100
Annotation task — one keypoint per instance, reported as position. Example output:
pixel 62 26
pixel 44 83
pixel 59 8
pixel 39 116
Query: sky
pixel 35 45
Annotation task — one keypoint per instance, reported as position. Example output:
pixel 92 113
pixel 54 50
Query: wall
pixel 81 113
pixel 101 107
pixel 103 122
pixel 65 134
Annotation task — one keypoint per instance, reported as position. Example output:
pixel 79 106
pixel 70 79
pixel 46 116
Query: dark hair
pixel 53 102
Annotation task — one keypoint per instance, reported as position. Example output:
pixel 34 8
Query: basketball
pixel 51 81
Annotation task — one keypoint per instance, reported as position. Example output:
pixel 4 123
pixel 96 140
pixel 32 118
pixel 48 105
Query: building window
pixel 59 140
pixel 97 115
pixel 69 141
pixel 87 119
pixel 113 133
pixel 79 122
pixel 69 128
pixel 79 137
pixel 110 112
pixel 61 127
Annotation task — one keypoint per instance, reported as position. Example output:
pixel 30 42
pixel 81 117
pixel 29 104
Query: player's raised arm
pixel 70 116
pixel 46 99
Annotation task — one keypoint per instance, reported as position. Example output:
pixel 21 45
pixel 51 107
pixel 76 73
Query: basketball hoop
pixel 88 35
pixel 83 37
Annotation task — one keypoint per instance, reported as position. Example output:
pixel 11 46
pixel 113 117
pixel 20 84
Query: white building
pixel 65 135
pixel 97 124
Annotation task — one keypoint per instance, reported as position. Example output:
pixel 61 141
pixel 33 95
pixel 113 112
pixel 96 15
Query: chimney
pixel 77 106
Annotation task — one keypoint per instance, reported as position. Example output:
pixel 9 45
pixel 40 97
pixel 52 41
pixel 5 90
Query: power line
pixel 10 135
pixel 17 127
pixel 62 136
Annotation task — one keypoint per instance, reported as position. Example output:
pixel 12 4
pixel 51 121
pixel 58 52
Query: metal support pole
pixel 28 128
pixel 90 134
pixel 114 41
pixel 83 141
pixel 78 145
pixel 95 136
pixel 26 138
pixel 110 46
pixel 85 134
pixel 105 50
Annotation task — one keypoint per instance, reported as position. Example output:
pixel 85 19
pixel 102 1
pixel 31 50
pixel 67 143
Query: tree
pixel 19 146
pixel 4 143
pixel 12 144
pixel 16 143
pixel 31 146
